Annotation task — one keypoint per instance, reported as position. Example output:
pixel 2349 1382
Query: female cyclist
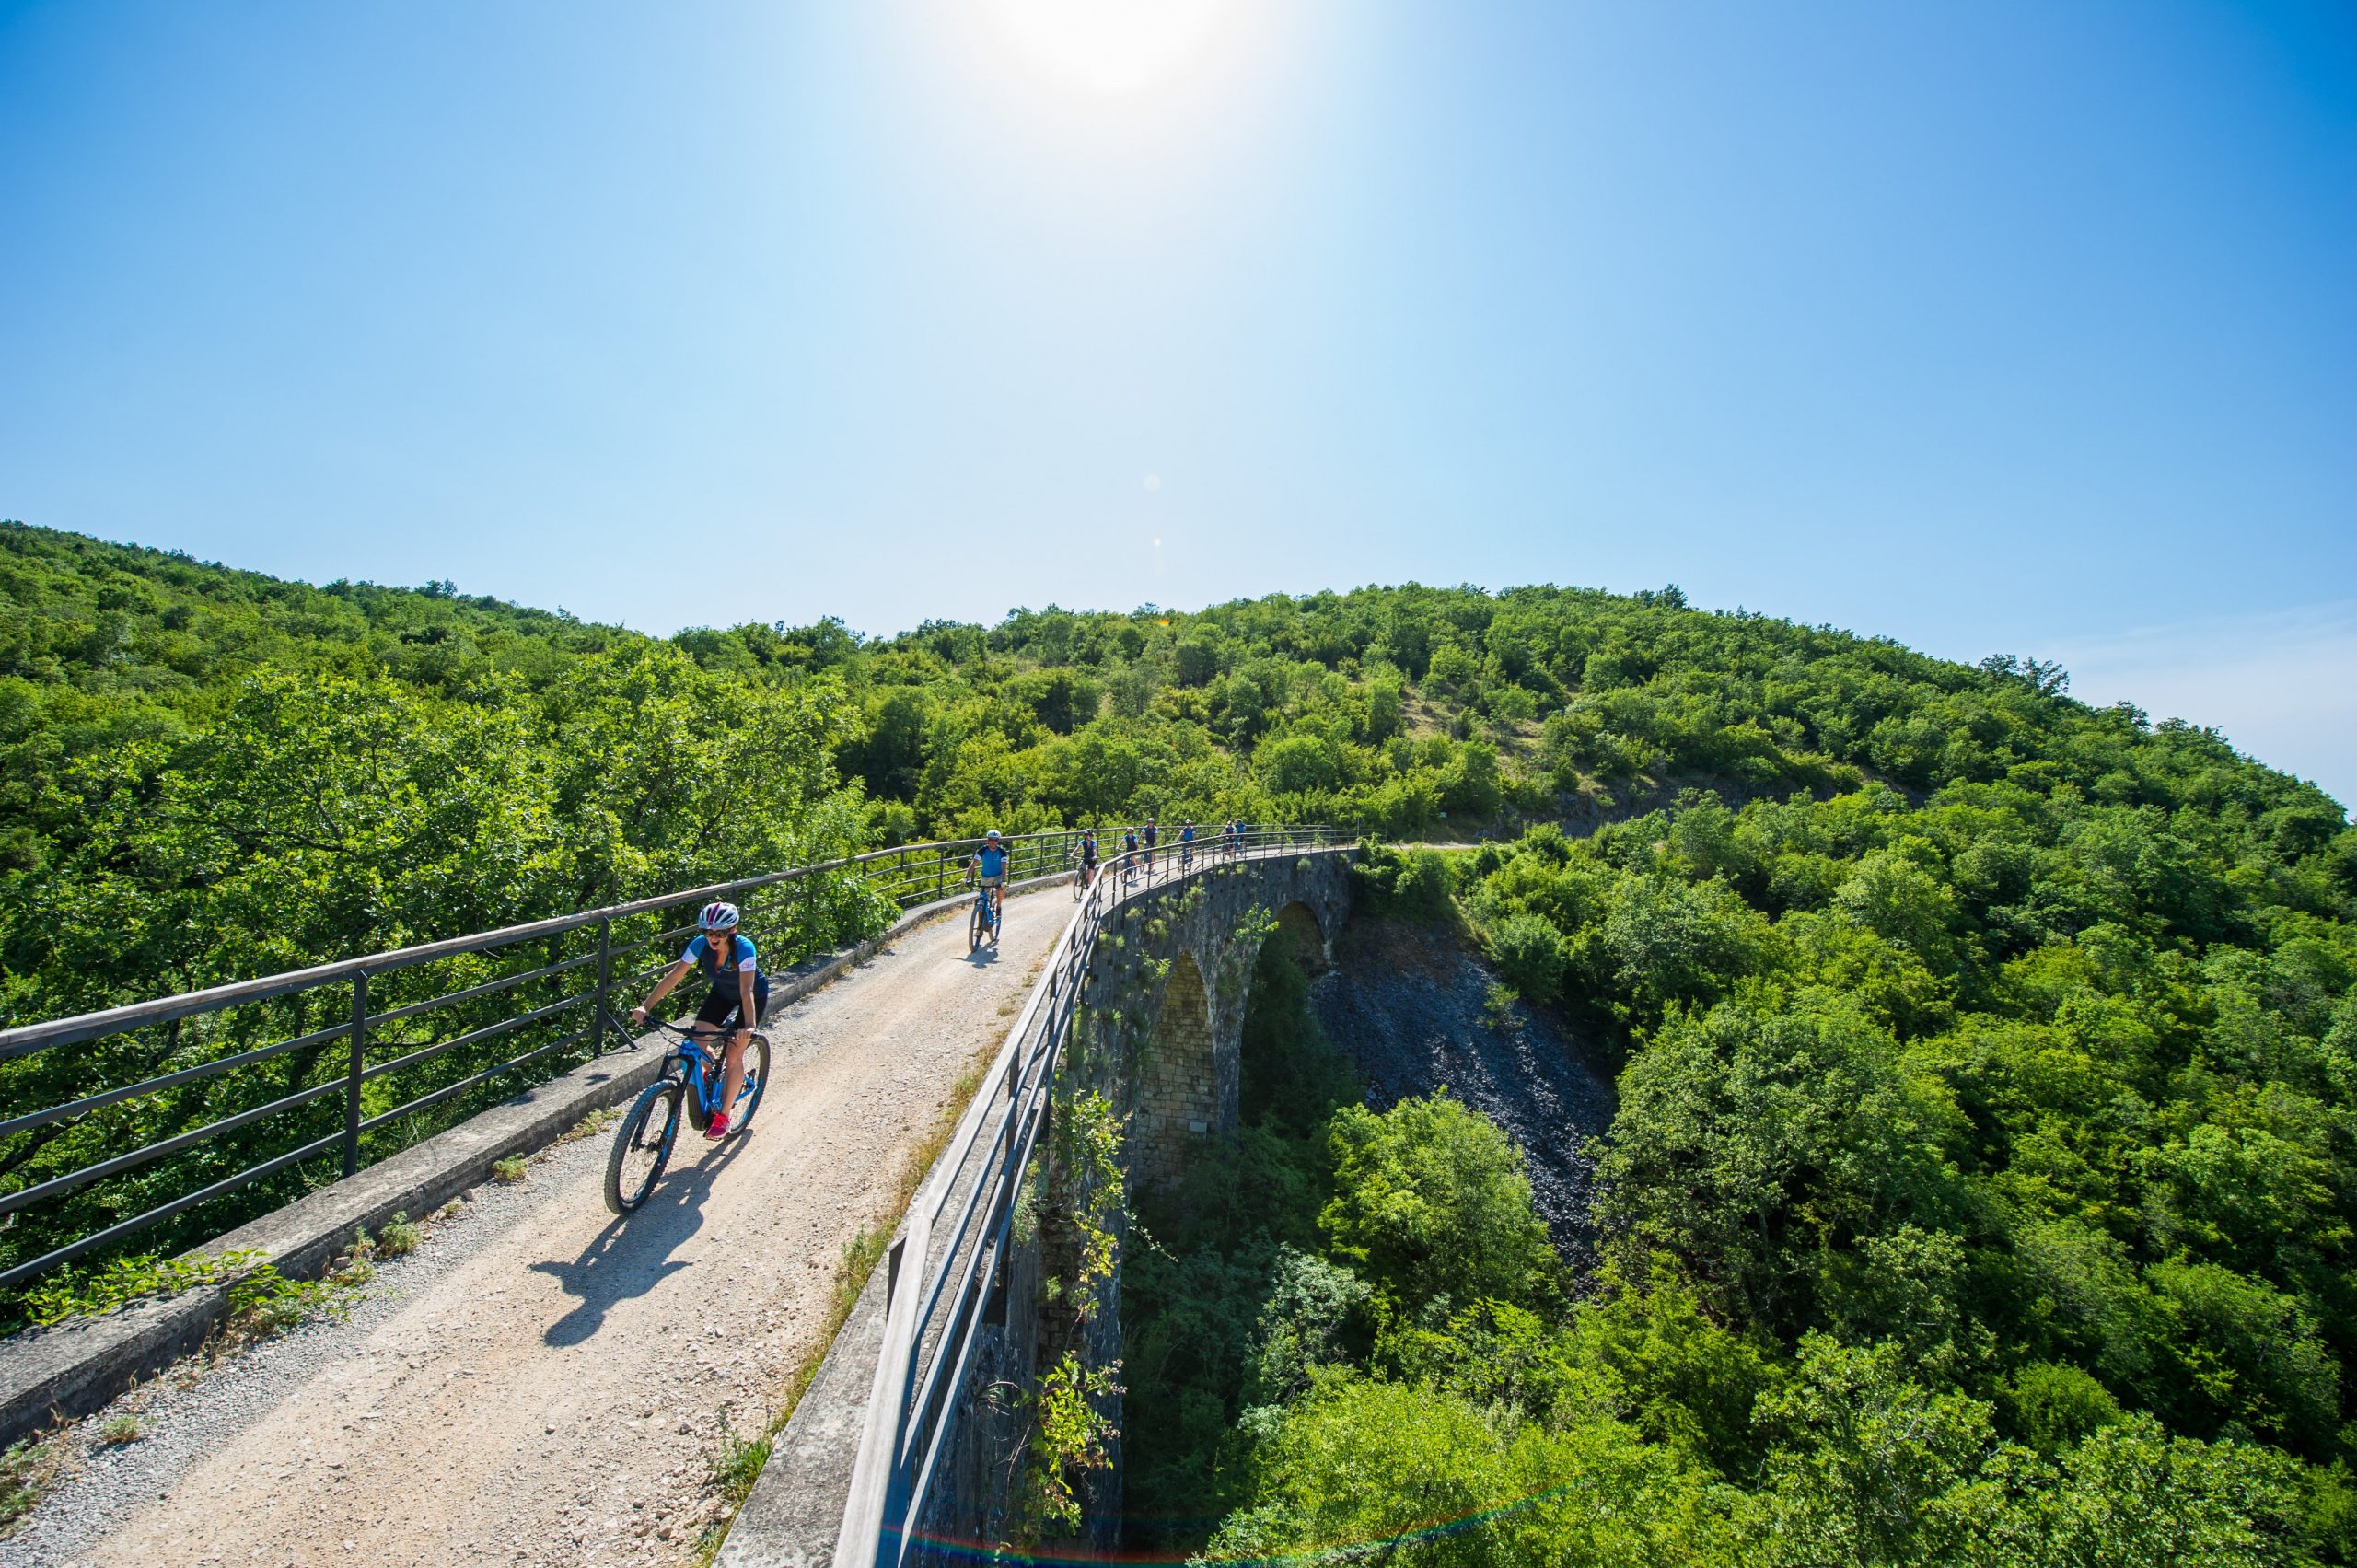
pixel 740 994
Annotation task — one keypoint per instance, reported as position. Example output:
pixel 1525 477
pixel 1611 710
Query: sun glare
pixel 1110 46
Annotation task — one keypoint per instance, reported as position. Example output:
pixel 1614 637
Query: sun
pixel 1110 46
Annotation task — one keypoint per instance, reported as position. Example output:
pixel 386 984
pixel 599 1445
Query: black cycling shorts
pixel 719 1009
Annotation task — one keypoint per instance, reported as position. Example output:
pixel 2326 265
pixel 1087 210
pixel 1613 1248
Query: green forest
pixel 1983 1183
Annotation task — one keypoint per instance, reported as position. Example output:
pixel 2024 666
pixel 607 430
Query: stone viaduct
pixel 1160 1040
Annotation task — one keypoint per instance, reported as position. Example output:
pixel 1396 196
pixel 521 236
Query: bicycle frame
pixel 700 1069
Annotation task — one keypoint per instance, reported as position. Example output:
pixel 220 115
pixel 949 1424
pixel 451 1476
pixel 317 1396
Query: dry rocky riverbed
pixel 540 1383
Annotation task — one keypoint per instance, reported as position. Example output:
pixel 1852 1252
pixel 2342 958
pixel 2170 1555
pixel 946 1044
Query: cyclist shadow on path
pixel 632 1255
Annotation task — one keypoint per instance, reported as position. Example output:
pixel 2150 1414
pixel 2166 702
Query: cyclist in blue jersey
pixel 1186 847
pixel 1088 856
pixel 990 865
pixel 1153 835
pixel 740 994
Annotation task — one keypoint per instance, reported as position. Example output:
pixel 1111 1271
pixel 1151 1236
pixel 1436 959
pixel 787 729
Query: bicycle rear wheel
pixel 642 1146
pixel 757 1078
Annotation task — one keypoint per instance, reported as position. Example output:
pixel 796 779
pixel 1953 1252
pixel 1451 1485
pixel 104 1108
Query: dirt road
pixel 543 1384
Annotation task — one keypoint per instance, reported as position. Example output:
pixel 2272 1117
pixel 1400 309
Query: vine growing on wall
pixel 1069 1434
pixel 1086 1191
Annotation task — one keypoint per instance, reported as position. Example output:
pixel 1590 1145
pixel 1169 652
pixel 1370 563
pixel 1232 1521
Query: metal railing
pixel 937 1304
pixel 344 1061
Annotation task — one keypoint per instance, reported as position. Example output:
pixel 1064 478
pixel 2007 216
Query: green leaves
pixel 1430 1202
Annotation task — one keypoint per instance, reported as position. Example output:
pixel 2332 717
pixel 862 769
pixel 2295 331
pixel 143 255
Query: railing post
pixel 357 1038
pixel 604 987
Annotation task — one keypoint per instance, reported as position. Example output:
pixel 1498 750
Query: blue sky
pixel 1982 325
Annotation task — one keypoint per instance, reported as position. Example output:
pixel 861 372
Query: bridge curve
pixel 1125 1067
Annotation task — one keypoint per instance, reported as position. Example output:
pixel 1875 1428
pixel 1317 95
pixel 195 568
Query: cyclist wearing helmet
pixel 1088 856
pixel 739 995
pixel 990 863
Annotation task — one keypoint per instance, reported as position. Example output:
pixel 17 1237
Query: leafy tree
pixel 1432 1202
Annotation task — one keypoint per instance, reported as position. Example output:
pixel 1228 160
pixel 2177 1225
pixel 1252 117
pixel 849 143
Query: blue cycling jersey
pixel 707 957
pixel 1186 835
pixel 993 859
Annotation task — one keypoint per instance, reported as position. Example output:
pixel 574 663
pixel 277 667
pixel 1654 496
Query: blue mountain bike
pixel 689 1089
pixel 983 919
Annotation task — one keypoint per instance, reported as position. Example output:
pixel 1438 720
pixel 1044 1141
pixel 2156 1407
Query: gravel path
pixel 540 1383
pixel 1408 1006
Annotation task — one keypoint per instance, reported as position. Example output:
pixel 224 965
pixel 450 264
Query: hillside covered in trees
pixel 1983 1181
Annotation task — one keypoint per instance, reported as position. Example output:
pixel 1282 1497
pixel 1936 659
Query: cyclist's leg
pixel 713 1016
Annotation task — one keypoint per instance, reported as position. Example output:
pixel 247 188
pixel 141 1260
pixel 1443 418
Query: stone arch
pixel 1302 936
pixel 1179 1106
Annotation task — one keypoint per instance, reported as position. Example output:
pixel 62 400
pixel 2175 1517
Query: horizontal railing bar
pixel 115 1020
pixel 74 1250
pixel 28 1196
pixel 489 1031
pixel 930 1388
pixel 469 1081
pixel 173 1080
pixel 488 988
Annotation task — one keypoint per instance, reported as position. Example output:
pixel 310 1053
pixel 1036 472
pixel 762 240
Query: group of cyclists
pixel 736 993
pixel 1140 844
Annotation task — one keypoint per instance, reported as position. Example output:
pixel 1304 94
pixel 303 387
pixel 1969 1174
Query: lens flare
pixel 1110 46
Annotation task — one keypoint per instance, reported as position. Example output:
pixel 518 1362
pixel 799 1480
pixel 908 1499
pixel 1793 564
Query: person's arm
pixel 744 1000
pixel 663 988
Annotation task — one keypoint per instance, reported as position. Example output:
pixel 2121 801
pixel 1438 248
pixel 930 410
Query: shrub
pixel 399 1236
pixel 1430 1200
pixel 1530 952
pixel 2050 1405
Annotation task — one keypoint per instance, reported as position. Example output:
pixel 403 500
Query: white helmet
pixel 717 917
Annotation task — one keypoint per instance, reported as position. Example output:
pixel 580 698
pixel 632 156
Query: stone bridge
pixel 1159 1037
pixel 1166 990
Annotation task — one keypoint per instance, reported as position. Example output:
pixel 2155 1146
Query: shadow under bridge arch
pixel 1180 1100
pixel 1302 937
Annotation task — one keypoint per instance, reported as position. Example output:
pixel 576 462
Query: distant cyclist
pixel 740 994
pixel 1186 848
pixel 1153 836
pixel 1129 852
pixel 1088 856
pixel 990 863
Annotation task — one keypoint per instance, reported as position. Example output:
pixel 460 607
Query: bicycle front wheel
pixel 974 928
pixel 642 1146
pixel 757 1078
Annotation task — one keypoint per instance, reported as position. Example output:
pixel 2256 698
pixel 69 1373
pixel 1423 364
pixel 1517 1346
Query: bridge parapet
pixel 1141 1004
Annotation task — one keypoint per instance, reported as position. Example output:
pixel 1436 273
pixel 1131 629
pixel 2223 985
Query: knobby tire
pixel 642 1144
pixel 757 1080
